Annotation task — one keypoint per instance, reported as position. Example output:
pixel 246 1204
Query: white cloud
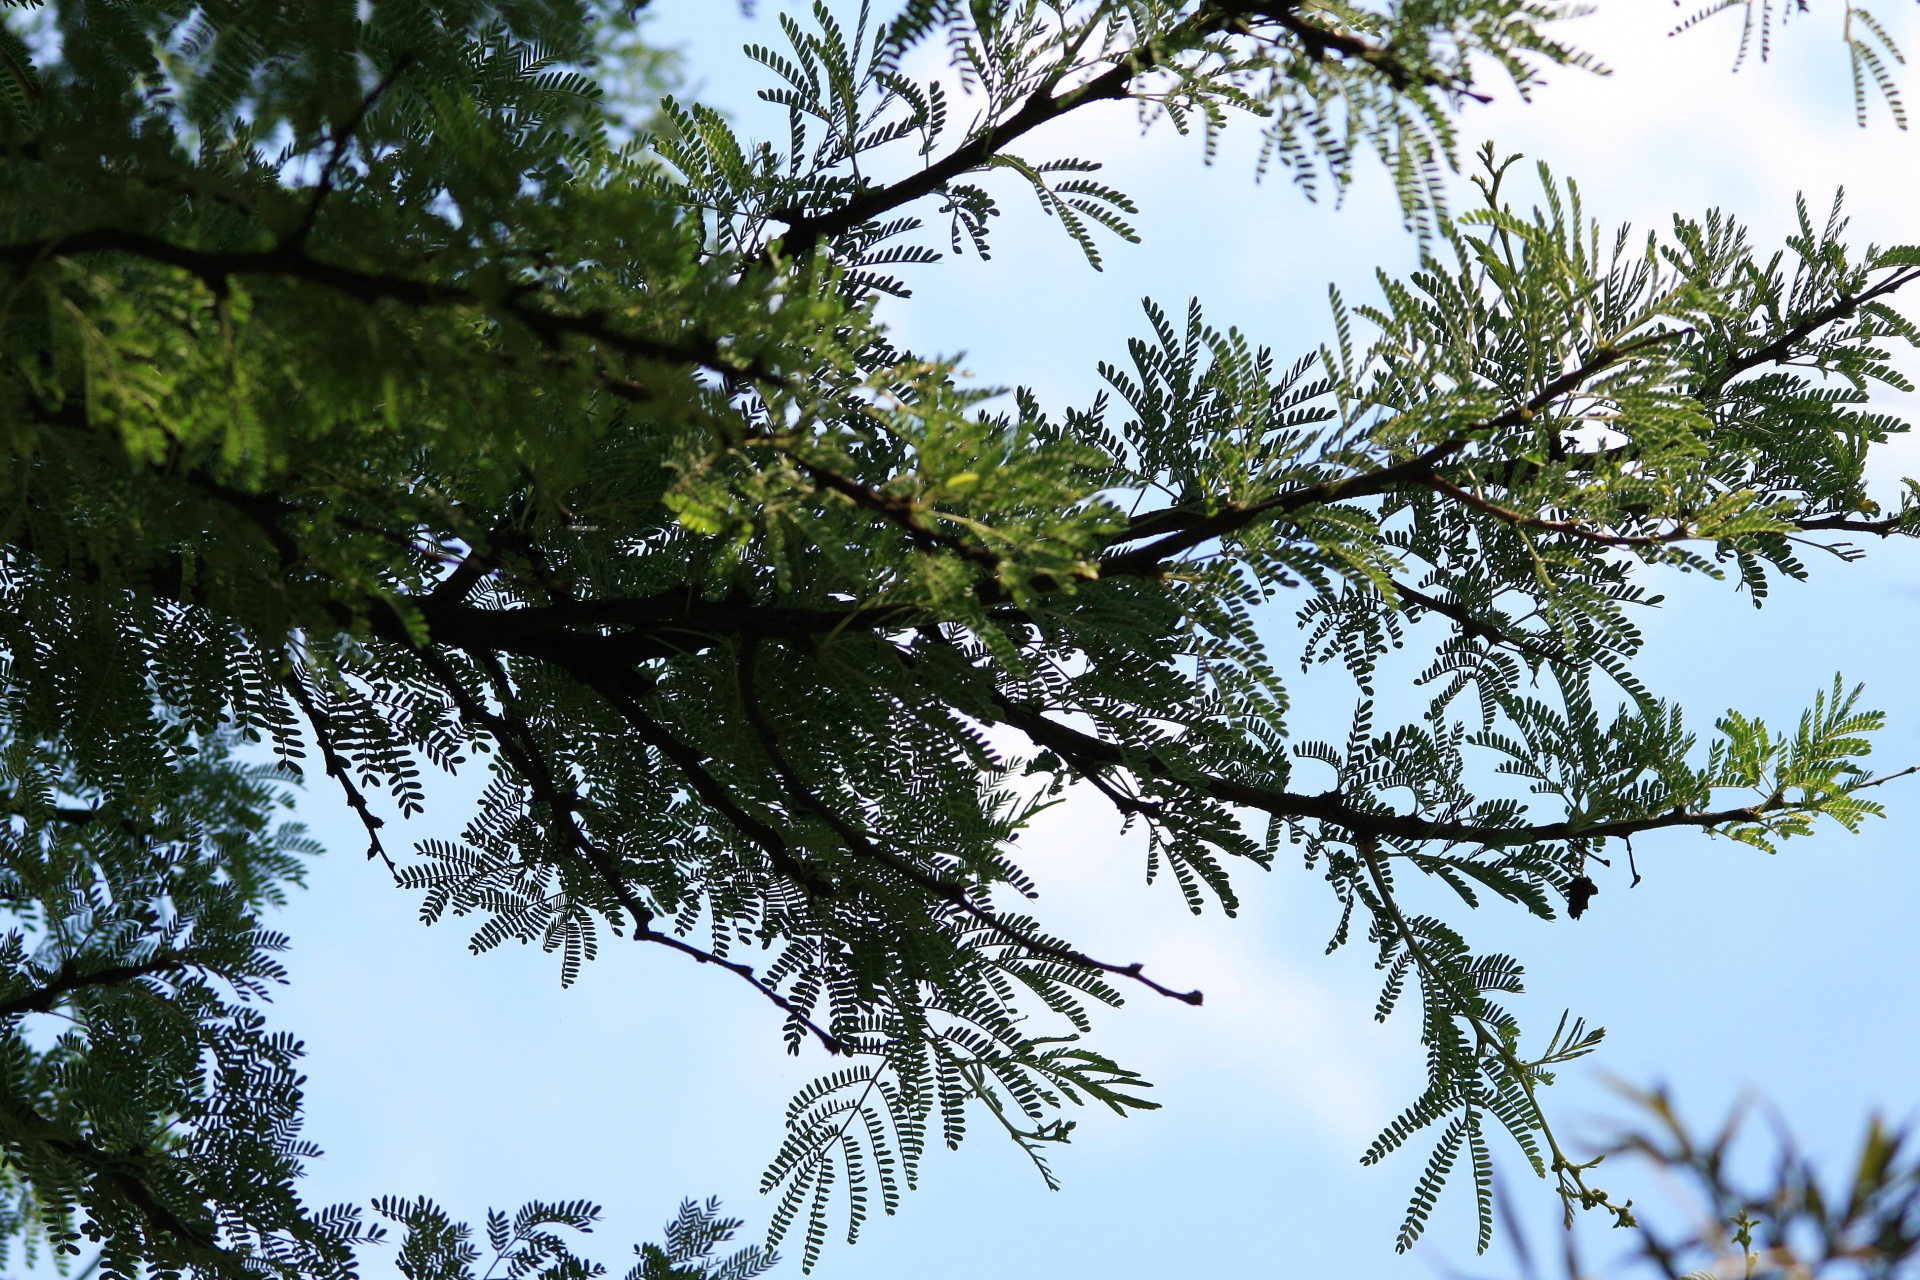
pixel 1280 1022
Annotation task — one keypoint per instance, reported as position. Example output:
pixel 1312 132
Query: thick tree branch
pixel 68 979
pixel 128 1175
pixel 66 815
pixel 1884 527
pixel 292 262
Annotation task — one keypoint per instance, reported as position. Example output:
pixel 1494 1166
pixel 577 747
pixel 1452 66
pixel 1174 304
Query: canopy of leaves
pixel 378 401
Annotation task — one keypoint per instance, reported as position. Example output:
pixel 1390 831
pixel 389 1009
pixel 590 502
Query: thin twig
pixel 1570 1176
pixel 522 750
pixel 867 846
pixel 1334 809
pixel 341 771
pixel 1473 625
pixel 1211 19
pixel 342 139
pixel 832 1043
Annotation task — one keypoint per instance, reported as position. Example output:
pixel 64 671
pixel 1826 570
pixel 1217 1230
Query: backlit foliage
pixel 378 403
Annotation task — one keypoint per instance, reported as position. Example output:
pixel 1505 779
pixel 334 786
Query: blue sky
pixel 478 1081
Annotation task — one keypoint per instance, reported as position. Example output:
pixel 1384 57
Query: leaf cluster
pixel 376 400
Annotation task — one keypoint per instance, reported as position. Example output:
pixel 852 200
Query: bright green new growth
pixel 373 396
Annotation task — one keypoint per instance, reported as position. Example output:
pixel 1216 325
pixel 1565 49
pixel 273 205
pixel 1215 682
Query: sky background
pixel 478 1081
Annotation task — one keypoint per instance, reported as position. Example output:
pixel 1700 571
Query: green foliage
pixel 148 1109
pixel 375 398
pixel 1869 48
pixel 435 1247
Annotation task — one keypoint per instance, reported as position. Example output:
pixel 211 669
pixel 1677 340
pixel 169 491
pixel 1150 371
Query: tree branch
pixel 650 625
pixel 1191 529
pixel 859 842
pixel 292 262
pixel 1320 42
pixel 896 511
pixel 126 1172
pixel 340 770
pixel 523 751
pixel 1475 626
pixel 1332 808
pixel 1212 18
pixel 805 231
pixel 517 743
pixel 1566 528
pixel 611 685
pixel 342 139
pixel 69 979
pixel 827 1039
pixel 1782 347
pixel 1569 1176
